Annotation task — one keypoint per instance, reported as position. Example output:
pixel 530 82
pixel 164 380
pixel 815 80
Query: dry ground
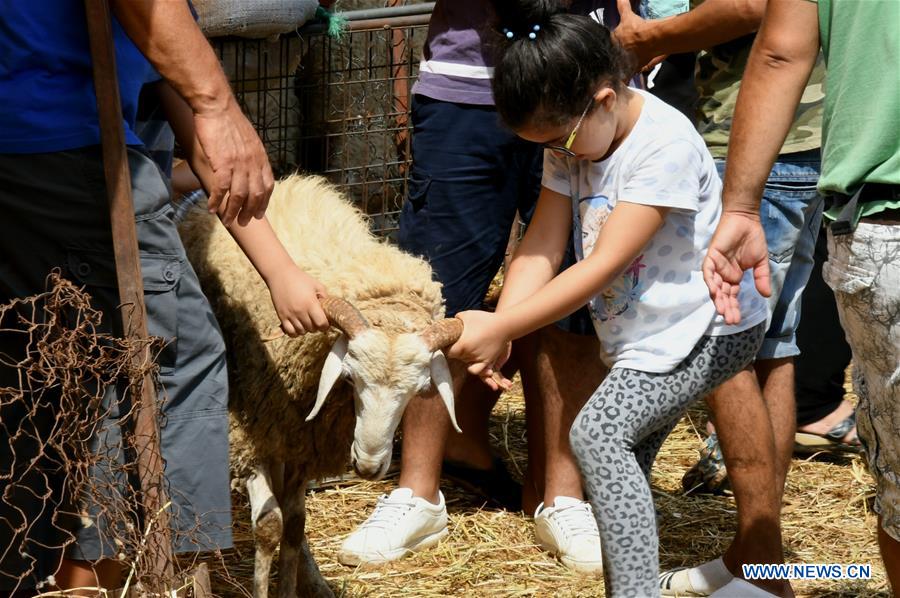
pixel 827 519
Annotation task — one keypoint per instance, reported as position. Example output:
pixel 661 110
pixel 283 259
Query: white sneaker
pixel 569 531
pixel 401 524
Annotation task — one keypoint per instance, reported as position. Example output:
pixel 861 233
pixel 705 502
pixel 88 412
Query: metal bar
pixel 382 22
pixel 390 11
pixel 400 75
pixel 389 22
pixel 131 286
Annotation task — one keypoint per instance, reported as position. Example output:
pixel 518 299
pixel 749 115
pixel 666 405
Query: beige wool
pixel 273 384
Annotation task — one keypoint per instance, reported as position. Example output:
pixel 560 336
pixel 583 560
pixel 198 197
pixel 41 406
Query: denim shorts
pixel 791 215
pixel 470 176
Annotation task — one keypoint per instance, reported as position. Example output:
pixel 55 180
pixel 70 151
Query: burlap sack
pixel 253 18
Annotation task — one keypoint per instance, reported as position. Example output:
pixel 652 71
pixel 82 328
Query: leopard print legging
pixel 615 439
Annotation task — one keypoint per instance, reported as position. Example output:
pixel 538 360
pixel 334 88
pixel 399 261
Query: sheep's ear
pixel 443 381
pixel 331 371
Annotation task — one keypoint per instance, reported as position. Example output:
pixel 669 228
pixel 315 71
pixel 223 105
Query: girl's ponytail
pixel 549 62
pixel 516 19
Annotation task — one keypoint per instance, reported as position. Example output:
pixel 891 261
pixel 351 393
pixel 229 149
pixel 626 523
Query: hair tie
pixel 534 30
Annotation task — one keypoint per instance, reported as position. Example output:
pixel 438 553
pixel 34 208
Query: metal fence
pixel 338 107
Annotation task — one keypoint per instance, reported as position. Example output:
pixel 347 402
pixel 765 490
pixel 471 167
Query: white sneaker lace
pixel 387 512
pixel 577 520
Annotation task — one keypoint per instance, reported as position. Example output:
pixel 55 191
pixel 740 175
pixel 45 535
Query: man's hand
pixel 295 295
pixel 483 346
pixel 632 33
pixel 242 179
pixel 166 33
pixel 739 243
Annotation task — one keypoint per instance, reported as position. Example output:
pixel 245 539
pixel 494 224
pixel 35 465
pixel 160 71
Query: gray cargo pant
pixel 54 214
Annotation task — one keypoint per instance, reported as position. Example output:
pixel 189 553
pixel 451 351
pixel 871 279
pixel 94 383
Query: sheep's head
pixel 386 371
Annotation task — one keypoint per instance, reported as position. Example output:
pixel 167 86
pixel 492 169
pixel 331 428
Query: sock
pixel 710 576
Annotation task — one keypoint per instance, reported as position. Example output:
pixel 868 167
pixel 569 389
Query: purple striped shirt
pixel 457 61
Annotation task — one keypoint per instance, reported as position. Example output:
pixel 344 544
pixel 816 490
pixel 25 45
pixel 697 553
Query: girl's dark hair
pixel 548 80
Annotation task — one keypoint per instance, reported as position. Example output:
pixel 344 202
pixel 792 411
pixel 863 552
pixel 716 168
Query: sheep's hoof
pixel 314 587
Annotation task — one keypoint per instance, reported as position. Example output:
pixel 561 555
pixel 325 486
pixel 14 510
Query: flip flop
pixel 708 475
pixel 832 441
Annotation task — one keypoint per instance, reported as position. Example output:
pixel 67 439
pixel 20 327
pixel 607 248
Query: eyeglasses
pixel 565 149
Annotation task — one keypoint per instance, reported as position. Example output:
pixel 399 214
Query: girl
pixel 633 180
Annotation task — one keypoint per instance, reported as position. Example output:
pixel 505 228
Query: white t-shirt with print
pixel 655 313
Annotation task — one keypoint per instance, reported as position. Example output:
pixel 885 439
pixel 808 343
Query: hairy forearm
pixel 774 80
pixel 710 24
pixel 181 119
pixel 167 35
pixel 256 238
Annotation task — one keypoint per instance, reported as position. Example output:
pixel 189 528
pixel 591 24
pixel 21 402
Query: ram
pixel 292 418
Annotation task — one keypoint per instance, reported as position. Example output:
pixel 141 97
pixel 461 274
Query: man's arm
pixel 166 33
pixel 294 293
pixel 778 69
pixel 712 23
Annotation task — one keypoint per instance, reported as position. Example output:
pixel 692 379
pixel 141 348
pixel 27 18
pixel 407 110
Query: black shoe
pixel 495 485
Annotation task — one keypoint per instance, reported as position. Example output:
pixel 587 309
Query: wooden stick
pixel 131 287
pixel 201 583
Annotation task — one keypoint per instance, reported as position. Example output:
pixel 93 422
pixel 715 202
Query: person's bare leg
pixel 748 445
pixel 474 403
pixel 890 554
pixel 426 425
pixel 525 352
pixel 567 369
pixel 776 378
pixel 105 574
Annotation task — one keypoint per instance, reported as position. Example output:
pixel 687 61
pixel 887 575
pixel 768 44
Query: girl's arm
pixel 538 257
pixel 294 293
pixel 621 239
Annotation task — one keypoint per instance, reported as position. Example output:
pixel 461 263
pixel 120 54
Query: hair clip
pixel 533 34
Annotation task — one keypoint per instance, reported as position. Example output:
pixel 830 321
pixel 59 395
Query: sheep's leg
pixel 309 579
pixel 291 503
pixel 297 570
pixel 265 515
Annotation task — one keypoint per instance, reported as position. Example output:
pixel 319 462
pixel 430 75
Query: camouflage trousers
pixel 863 269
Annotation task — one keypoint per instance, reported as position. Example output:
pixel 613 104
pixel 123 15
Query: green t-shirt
pixel 861 125
pixel 718 77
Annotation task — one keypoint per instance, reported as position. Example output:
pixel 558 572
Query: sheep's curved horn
pixel 331 371
pixel 342 315
pixel 442 333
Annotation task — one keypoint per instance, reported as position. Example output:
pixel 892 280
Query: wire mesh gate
pixel 337 107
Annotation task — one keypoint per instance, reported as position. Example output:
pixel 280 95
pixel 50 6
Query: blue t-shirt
pixel 47 100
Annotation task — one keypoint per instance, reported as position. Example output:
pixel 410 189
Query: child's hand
pixel 484 346
pixel 295 295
